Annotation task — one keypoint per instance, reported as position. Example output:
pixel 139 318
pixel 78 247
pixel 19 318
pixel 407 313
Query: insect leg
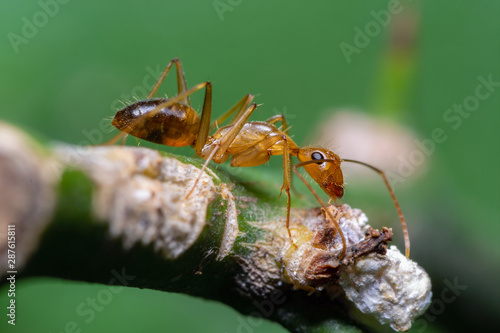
pixel 160 80
pixel 181 81
pixel 286 184
pixel 259 154
pixel 140 120
pixel 240 107
pixel 334 220
pixel 206 113
pixel 284 128
pixel 220 146
pixel 276 118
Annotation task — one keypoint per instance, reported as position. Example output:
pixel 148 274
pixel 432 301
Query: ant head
pixel 327 173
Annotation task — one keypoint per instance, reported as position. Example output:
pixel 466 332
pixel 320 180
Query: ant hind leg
pixel 181 87
pixel 138 121
pixel 181 81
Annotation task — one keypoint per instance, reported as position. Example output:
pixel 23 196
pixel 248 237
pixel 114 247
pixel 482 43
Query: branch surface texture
pixel 83 212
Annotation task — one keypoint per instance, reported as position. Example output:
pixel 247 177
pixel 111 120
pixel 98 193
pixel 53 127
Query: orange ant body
pixel 173 122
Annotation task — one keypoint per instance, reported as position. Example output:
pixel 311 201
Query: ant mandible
pixel 173 122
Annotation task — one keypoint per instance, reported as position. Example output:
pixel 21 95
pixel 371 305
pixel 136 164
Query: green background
pixel 66 77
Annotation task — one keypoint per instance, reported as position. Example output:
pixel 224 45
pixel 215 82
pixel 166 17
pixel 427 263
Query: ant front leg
pixel 284 128
pixel 286 183
pixel 323 205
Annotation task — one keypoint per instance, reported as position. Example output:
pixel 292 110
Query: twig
pixel 85 213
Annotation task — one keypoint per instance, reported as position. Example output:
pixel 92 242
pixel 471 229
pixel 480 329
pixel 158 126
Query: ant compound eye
pixel 317 156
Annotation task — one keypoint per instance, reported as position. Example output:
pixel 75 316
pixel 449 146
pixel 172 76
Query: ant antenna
pixel 391 192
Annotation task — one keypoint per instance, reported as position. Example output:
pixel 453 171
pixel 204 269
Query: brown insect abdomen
pixel 176 125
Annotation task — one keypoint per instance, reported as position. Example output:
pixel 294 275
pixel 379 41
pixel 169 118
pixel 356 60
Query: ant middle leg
pixel 205 125
pixel 239 107
pixel 279 117
pixel 216 150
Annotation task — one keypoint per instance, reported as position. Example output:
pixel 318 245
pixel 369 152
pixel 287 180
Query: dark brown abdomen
pixel 176 125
